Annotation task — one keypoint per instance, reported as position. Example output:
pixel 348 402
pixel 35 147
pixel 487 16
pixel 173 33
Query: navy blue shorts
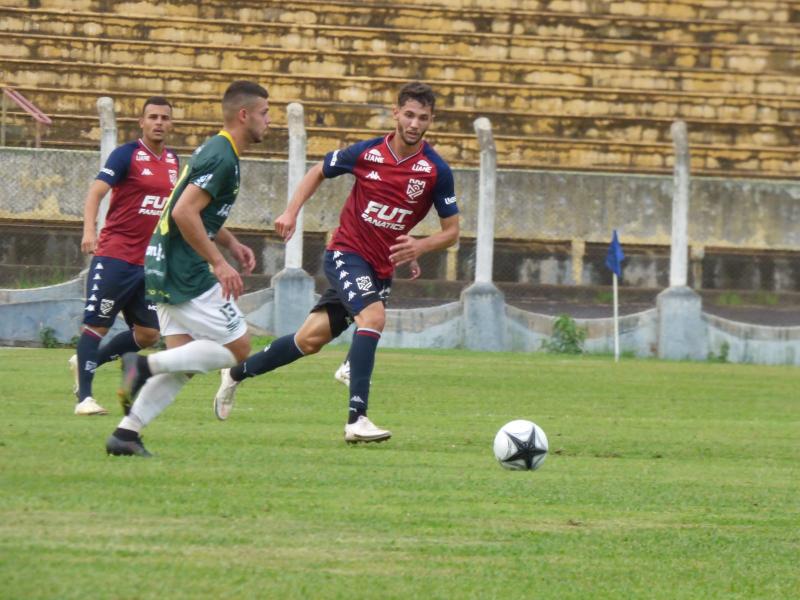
pixel 114 285
pixel 354 286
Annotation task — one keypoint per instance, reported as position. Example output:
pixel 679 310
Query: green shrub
pixel 567 337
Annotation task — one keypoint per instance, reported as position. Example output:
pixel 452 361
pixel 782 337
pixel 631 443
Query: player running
pixel 398 178
pixel 186 274
pixel 140 175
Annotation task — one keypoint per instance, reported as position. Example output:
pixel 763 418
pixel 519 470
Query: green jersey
pixel 174 271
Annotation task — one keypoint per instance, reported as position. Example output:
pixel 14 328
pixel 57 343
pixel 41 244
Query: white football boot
pixel 365 430
pixel 73 367
pixel 89 407
pixel 226 394
pixel 342 374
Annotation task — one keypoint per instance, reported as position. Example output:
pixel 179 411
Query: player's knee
pixel 146 338
pixel 372 317
pixel 310 343
pixel 240 348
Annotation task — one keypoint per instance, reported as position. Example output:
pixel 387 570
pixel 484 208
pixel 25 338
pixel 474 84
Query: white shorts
pixel 207 317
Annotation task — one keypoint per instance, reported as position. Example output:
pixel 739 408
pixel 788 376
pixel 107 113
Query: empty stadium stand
pixel 577 85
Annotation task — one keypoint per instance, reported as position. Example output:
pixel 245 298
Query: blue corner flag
pixel 615 255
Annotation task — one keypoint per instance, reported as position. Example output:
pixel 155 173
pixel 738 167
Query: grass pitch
pixel 664 480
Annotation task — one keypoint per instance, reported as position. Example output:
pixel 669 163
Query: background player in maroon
pixel 398 178
pixel 140 175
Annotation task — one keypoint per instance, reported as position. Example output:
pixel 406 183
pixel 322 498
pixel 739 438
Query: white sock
pixel 199 356
pixel 131 422
pixel 156 395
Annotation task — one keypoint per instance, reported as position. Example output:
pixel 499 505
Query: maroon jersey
pixel 390 196
pixel 140 184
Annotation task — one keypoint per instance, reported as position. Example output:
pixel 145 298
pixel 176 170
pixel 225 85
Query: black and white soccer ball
pixel 520 445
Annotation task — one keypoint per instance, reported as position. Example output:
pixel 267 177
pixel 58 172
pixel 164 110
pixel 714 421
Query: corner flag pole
pixel 614 260
pixel 616 320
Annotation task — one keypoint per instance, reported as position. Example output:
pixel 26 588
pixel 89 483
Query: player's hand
pixel 404 250
pixel 229 279
pixel 244 256
pixel 415 269
pixel 89 242
pixel 285 225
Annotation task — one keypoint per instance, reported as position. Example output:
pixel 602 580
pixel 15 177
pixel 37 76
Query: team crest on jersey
pixel 173 177
pixel 374 155
pixel 422 166
pixel 142 156
pixel 364 283
pixel 415 187
pixel 105 306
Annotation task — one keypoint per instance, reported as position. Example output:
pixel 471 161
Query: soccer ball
pixel 520 445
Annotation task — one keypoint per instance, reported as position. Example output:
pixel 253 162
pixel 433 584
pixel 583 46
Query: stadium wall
pixel 550 228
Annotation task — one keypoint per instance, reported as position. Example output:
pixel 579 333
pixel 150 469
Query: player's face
pixel 156 122
pixel 413 120
pixel 257 120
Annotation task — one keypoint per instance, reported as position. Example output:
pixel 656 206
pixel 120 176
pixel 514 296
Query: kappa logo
pixel 89 308
pixel 339 263
pixel 334 158
pixel 336 254
pixel 364 282
pixel 142 156
pixel 343 274
pixel 351 295
pixel 374 155
pixel 346 285
pixel 415 188
pixel 105 306
pixel 373 175
pixel 146 171
pixel 99 267
pixel 92 298
pixel 422 166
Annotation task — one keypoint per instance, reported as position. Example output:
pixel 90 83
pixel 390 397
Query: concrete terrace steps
pixel 742 10
pixel 565 27
pixel 459 14
pixel 624 54
pixel 192 112
pixel 575 72
pixel 513 151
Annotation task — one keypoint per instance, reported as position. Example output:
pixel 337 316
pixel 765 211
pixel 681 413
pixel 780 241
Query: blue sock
pixel 117 346
pixel 87 362
pixel 362 361
pixel 279 353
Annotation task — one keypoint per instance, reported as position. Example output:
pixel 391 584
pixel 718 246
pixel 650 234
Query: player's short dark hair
pixel 416 90
pixel 156 101
pixel 241 93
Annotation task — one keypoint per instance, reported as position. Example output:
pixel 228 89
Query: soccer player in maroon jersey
pixel 398 178
pixel 140 175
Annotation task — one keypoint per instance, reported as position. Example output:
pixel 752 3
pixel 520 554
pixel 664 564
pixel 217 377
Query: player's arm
pixel 407 248
pixel 285 224
pixel 186 215
pixel 91 207
pixel 241 253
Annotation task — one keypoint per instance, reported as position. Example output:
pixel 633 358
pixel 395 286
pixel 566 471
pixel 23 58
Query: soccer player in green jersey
pixel 186 275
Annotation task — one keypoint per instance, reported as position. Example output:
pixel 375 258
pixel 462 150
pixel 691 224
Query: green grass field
pixel 664 480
